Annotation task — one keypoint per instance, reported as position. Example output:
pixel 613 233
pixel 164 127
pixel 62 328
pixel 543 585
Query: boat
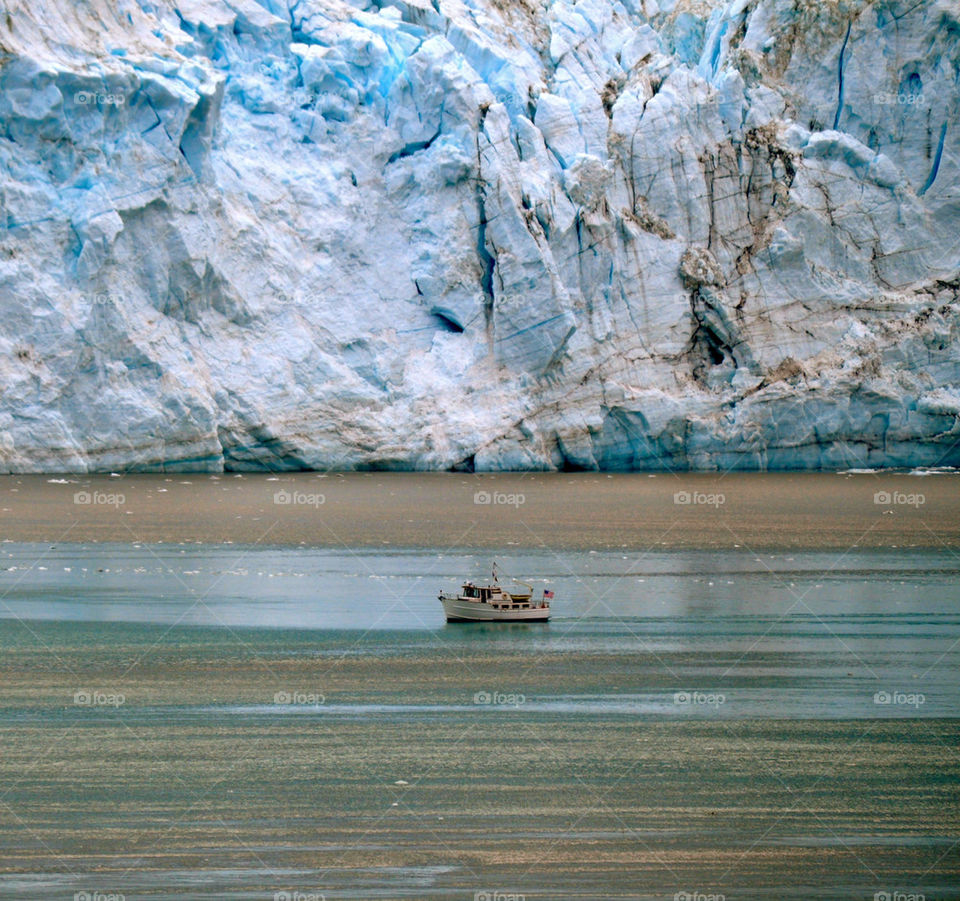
pixel 493 603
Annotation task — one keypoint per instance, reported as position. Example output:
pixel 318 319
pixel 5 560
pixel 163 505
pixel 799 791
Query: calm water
pixel 371 707
pixel 884 617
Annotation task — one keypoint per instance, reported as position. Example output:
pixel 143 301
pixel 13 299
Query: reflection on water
pixel 777 726
pixel 315 589
pixel 886 618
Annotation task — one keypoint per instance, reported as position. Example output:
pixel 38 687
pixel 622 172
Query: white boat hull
pixel 460 610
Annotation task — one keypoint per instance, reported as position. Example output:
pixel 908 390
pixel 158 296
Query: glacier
pixel 479 235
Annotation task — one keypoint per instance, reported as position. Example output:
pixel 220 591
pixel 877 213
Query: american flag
pixel 547 594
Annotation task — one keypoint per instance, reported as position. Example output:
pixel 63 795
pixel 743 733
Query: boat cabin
pixel 487 594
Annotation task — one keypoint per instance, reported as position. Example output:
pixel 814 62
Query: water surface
pixel 256 719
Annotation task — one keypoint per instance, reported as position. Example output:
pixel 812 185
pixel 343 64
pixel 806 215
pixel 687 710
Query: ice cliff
pixel 436 234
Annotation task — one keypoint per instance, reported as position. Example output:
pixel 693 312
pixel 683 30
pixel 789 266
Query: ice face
pixel 426 234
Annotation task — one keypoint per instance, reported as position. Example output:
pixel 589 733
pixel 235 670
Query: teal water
pixel 775 726
pixel 841 623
